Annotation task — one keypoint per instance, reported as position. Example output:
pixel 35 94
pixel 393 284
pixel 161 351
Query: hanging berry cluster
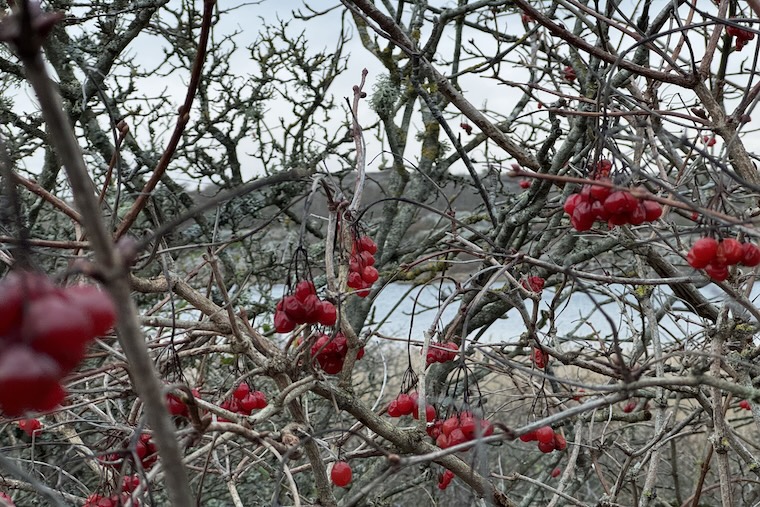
pixel 145 449
pixel 244 401
pixel 330 353
pixel 716 257
pixel 361 266
pixel 406 404
pixel 178 407
pixel 461 428
pixel 569 74
pixel 303 307
pixel 128 485
pixel 441 353
pixel 742 36
pixel 445 479
pixel 619 207
pixel 548 439
pixel 44 333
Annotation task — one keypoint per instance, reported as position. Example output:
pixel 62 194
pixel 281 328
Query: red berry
pixel 533 283
pixel 445 479
pixel 545 434
pixel 546 447
pixel 97 304
pixel 638 216
pixel 355 280
pixel 525 184
pixel 176 406
pixel 629 407
pixel 599 192
pixel 620 202
pixel 745 405
pixel 405 404
pixel 653 210
pixel 571 202
pixel 570 73
pixel 328 314
pixel 582 218
pixel 370 274
pixel 717 272
pixel 28 381
pixel 466 127
pixel 30 426
pixel 442 441
pixel 450 425
pixel 341 474
pixel 539 358
pixel 294 308
pixel 702 252
pixel 366 244
pixel 750 255
pixel 393 409
pixel 55 326
pixel 241 391
pixel 282 323
pixel 559 442
pixel 528 437
pixel 729 252
pixel 556 472
pixel 304 288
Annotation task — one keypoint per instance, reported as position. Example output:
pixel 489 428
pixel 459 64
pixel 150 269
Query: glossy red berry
pixel 405 404
pixel 745 405
pixel 702 252
pixel 545 434
pixel 729 252
pixel 717 272
pixel 571 202
pixel 556 472
pixel 341 474
pixel 750 255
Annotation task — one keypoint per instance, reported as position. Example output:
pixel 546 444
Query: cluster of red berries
pixel 361 266
pixel 145 449
pixel 441 353
pixel 330 353
pixel 619 207
pixel 5 500
pixel 745 405
pixel 709 140
pixel 466 127
pixel 177 406
pixel 128 484
pixel 30 426
pixel 548 440
pixel 569 74
pixel 742 36
pixel 44 331
pixel 303 307
pixel 244 401
pixel 461 428
pixel 406 404
pixel 533 283
pixel 715 257
pixel 539 358
pixel 445 479
pixel 341 474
